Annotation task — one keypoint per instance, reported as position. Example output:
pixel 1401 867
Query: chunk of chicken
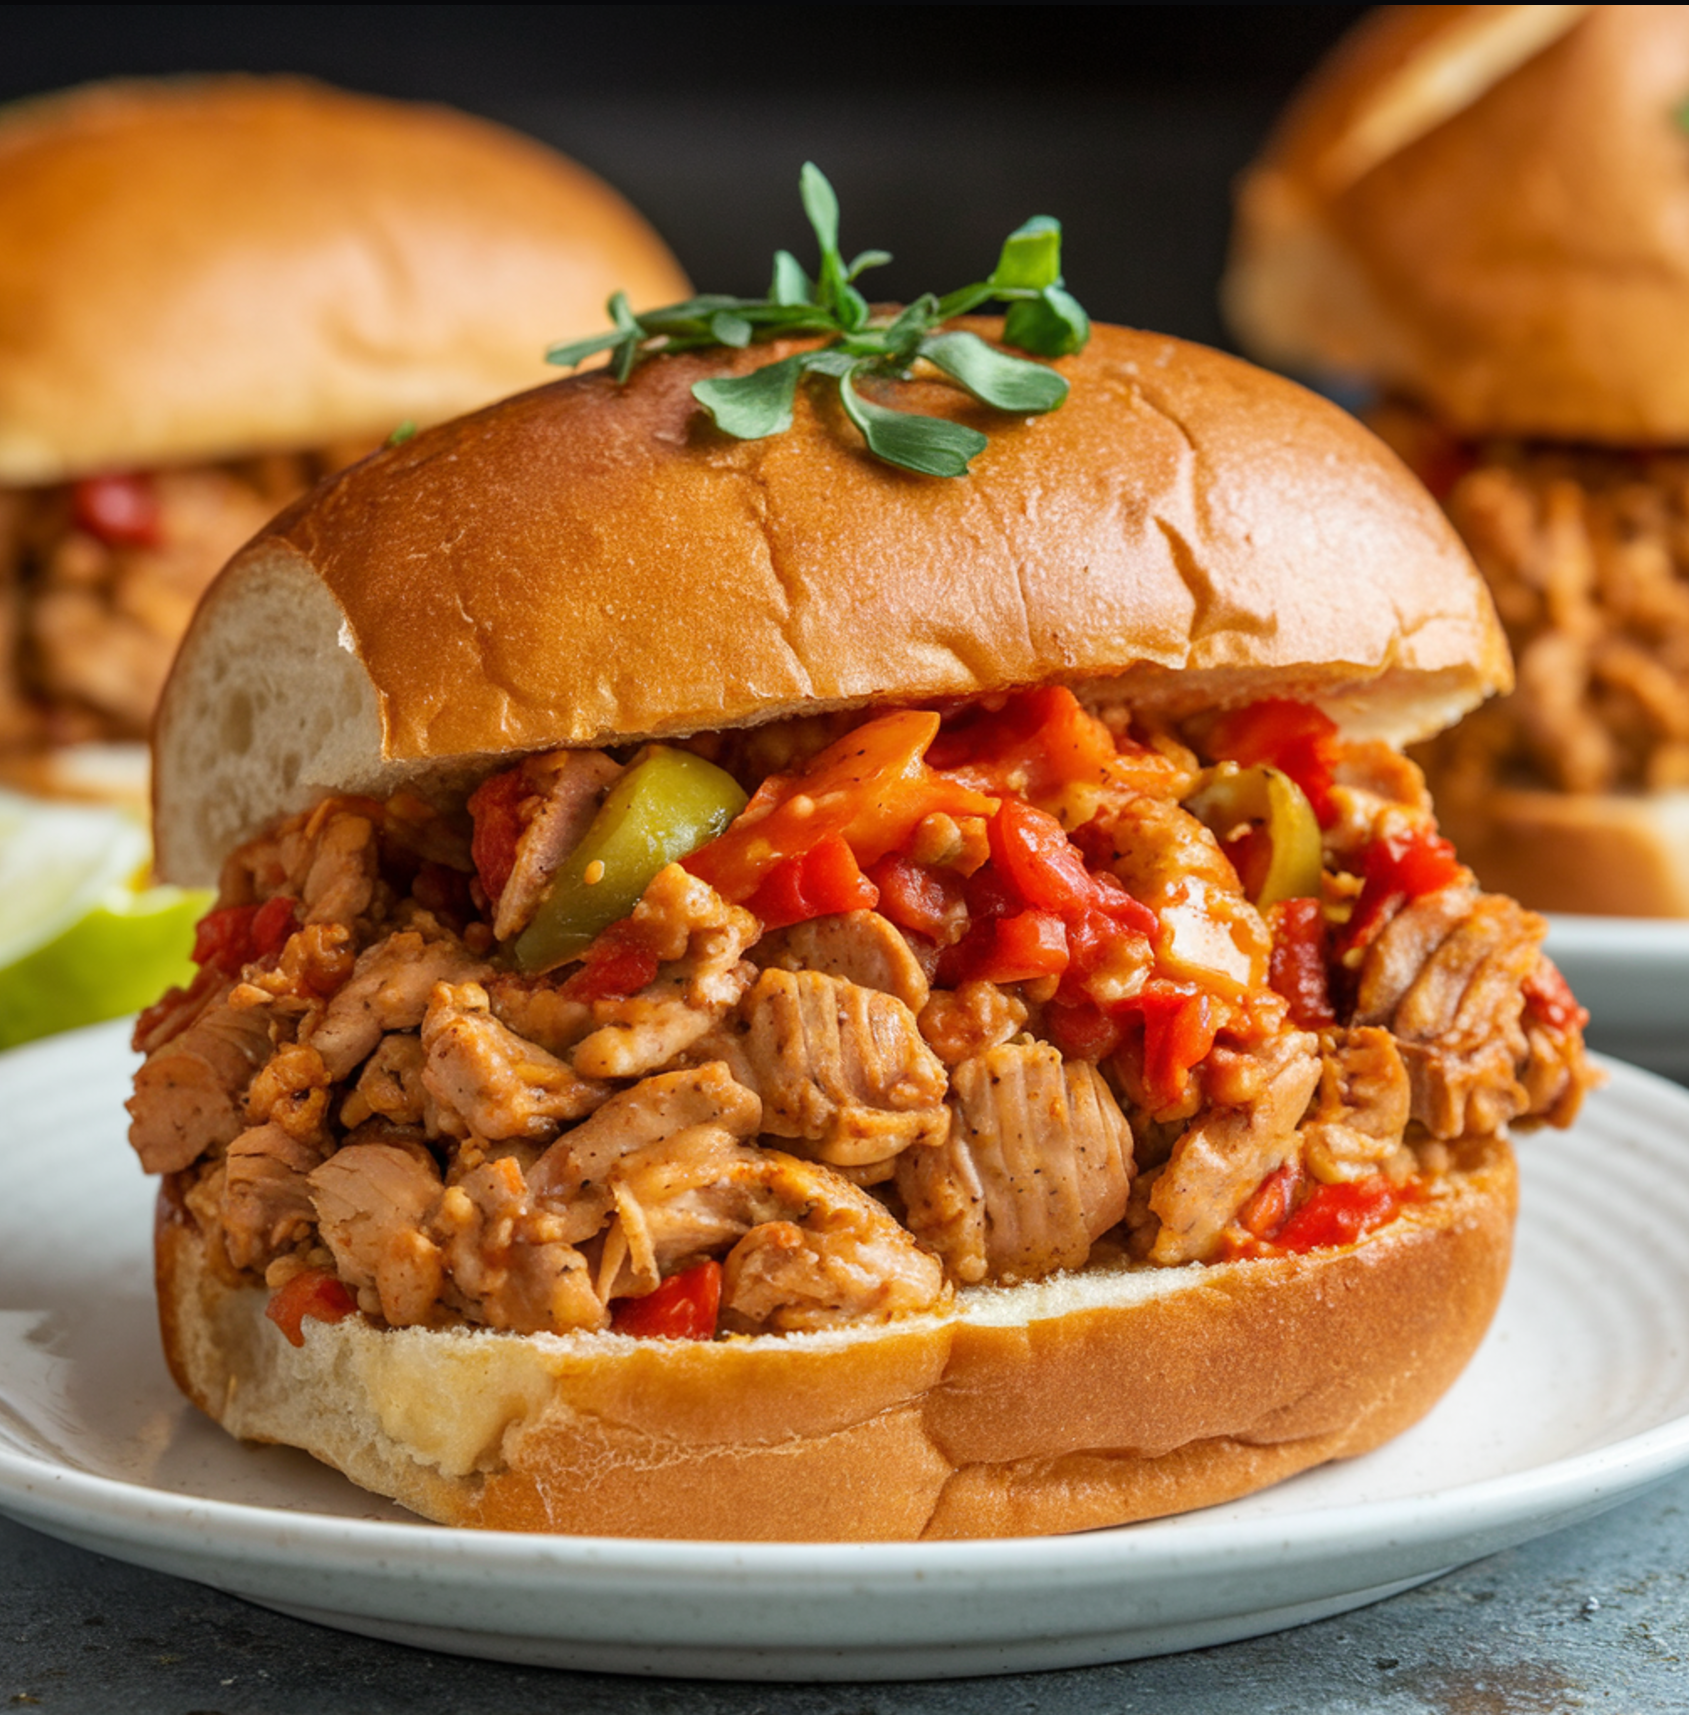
pixel 188 1095
pixel 371 1200
pixel 840 1068
pixel 266 1195
pixel 390 1085
pixel 388 990
pixel 1256 1098
pixel 699 941
pixel 491 1082
pixel 862 947
pixel 1036 1167
pixel 509 1262
pixel 962 1022
pixel 1446 977
pixel 567 788
pixel 1362 1110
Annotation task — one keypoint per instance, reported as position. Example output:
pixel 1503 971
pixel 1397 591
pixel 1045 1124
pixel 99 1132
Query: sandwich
pixel 1475 215
pixel 213 291
pixel 758 993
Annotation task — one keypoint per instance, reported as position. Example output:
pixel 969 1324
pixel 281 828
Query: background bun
pixel 214 267
pixel 585 564
pixel 1485 208
pixel 1082 1401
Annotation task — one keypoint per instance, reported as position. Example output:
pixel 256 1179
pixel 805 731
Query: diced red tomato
pixel 1082 1030
pixel 1019 949
pixel 1401 868
pixel 872 788
pixel 1038 742
pixel 823 882
pixel 1295 738
pixel 618 963
pixel 315 1293
pixel 928 901
pixel 1179 1023
pixel 1298 969
pixel 119 509
pixel 684 1307
pixel 1341 1214
pixel 233 936
pixel 495 805
pixel 1549 997
pixel 1036 858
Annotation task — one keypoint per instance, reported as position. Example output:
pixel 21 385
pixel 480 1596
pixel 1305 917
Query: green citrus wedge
pixel 81 937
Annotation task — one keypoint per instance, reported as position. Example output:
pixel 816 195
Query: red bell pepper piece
pixel 928 901
pixel 1038 742
pixel 495 806
pixel 1179 1023
pixel 825 881
pixel 1341 1214
pixel 684 1307
pixel 232 936
pixel 1398 869
pixel 618 963
pixel 1549 997
pixel 1298 969
pixel 315 1293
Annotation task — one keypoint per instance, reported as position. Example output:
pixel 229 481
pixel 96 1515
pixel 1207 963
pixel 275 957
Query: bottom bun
pixel 1078 1401
pixel 1612 854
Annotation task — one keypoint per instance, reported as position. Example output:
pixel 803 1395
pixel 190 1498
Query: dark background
pixel 943 127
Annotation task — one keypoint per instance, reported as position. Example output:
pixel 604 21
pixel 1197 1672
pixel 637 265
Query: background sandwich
pixel 1479 211
pixel 212 292
pixel 744 1038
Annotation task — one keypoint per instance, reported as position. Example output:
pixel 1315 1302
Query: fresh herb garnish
pixel 1042 319
pixel 406 431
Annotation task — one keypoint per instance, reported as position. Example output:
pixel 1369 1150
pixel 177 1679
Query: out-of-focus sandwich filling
pixel 1586 551
pixel 99 577
pixel 808 1025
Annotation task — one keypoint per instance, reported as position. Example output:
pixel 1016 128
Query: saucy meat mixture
pixel 808 1025
pixel 98 579
pixel 1586 551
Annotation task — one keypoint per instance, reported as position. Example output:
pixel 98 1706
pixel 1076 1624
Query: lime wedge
pixel 80 939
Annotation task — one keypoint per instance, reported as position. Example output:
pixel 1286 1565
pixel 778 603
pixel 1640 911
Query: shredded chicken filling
pixel 1041 1028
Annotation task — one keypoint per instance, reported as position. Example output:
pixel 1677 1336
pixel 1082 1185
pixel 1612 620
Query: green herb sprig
pixel 1042 319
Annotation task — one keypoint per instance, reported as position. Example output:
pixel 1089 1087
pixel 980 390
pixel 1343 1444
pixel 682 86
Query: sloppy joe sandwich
pixel 212 292
pixel 754 993
pixel 1480 212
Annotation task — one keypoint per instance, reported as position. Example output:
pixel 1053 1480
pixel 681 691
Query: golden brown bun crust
pixel 1485 208
pixel 211 267
pixel 1057 1407
pixel 1608 855
pixel 585 564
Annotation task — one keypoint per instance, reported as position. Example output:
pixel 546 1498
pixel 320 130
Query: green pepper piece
pixel 1229 796
pixel 667 805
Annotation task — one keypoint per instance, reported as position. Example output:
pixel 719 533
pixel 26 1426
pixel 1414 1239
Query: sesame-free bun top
pixel 590 564
pixel 212 267
pixel 1485 208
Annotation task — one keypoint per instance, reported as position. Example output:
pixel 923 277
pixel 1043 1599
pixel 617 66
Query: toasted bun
pixel 585 565
pixel 1081 1401
pixel 1487 209
pixel 213 267
pixel 1605 854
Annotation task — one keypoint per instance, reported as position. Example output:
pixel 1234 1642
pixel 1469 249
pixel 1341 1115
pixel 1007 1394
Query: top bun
pixel 587 564
pixel 216 267
pixel 1485 208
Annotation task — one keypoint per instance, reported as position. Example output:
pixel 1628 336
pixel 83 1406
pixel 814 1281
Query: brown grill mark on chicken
pixel 839 1067
pixel 1036 1167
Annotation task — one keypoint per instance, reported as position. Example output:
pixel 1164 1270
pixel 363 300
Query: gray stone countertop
pixel 1591 1618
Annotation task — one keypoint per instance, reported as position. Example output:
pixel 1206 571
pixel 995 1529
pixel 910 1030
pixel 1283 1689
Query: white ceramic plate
pixel 1633 975
pixel 1578 1400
